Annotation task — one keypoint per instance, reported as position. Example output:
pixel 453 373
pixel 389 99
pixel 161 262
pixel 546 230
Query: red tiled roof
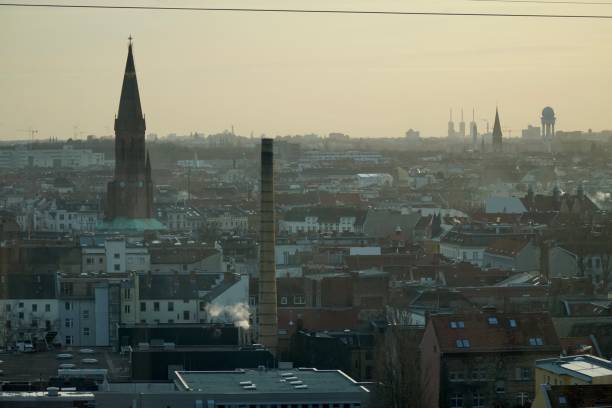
pixel 577 345
pixel 316 319
pixel 486 337
pixel 506 247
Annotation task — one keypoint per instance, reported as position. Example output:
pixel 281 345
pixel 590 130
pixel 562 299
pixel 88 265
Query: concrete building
pixel 21 157
pixel 116 255
pixel 89 308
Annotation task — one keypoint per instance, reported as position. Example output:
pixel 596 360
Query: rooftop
pixel 302 380
pixel 584 367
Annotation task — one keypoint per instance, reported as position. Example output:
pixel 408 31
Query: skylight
pixel 462 343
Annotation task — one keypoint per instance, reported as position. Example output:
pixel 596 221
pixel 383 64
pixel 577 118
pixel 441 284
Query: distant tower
pixel 130 193
pixel 474 131
pixel 548 123
pixel 451 126
pixel 462 127
pixel 497 134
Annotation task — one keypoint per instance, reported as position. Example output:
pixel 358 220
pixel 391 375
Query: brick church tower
pixel 130 194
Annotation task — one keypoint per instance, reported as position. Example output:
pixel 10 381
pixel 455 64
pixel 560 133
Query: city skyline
pixel 324 74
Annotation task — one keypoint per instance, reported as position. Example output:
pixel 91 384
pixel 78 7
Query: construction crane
pixel 30 131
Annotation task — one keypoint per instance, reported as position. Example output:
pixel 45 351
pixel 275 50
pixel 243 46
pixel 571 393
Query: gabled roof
pixel 506 247
pixel 524 332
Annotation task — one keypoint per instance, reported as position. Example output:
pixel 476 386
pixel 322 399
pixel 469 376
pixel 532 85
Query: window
pixel 500 387
pixel 143 307
pixel 456 401
pixel 457 325
pixel 479 374
pixel 456 375
pixel 171 306
pixel 67 289
pixel 478 400
pixel 117 267
pixel 34 307
pixel 492 321
pixel 283 300
pixel 523 373
pixel 68 323
pixel 85 331
pixel 85 314
pixel 536 341
pixel 68 306
pixel 8 307
pixel 185 314
pixel 127 294
pixel 512 323
pixel 298 300
pixel 462 343
pixel 117 256
pixel 156 306
pixel 47 307
pixel 21 305
pixel 127 309
pixel 34 323
pixel 21 315
pixel 68 340
pixel 252 301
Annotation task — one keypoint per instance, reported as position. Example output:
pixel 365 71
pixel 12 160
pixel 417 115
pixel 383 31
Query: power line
pixel 582 3
pixel 307 11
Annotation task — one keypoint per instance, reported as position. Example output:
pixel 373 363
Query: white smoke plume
pixel 237 313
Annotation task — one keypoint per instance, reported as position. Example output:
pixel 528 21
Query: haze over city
pixel 278 74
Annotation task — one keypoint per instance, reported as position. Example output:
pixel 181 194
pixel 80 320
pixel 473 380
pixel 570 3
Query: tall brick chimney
pixel 268 318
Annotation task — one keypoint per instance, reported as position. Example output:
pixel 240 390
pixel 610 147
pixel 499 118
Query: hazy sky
pixel 289 74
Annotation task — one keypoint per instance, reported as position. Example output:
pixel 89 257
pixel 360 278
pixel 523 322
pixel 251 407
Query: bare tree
pixel 397 370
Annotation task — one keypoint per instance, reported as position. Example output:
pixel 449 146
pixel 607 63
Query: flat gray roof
pixel 585 367
pixel 269 381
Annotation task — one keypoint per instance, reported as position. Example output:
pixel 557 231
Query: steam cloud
pixel 237 313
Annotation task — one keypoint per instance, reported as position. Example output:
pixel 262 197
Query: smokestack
pixel 268 319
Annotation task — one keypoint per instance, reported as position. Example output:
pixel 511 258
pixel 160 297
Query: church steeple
pixel 130 116
pixel 497 133
pixel 130 193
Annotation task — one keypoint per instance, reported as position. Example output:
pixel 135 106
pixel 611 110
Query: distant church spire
pixel 497 133
pixel 130 193
pixel 130 112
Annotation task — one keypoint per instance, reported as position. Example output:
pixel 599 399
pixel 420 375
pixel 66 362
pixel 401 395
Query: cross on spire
pixel 130 38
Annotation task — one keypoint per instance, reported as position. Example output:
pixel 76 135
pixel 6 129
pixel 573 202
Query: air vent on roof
pixel 250 387
pixel 301 387
pixel 243 383
pixel 287 374
pixel 297 382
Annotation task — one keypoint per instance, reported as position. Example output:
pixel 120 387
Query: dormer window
pixel 512 323
pixel 493 321
pixel 457 324
pixel 536 341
